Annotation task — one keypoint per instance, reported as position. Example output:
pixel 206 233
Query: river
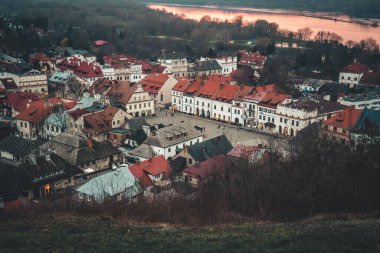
pixel 348 28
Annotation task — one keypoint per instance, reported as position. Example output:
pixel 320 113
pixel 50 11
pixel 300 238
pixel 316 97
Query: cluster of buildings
pixel 99 145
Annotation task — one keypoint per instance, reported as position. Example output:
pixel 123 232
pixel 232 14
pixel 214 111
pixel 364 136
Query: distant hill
pixel 362 8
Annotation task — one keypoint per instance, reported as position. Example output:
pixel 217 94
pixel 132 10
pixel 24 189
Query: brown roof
pixel 99 122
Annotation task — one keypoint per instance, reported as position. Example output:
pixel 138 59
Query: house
pixel 86 154
pixel 119 184
pixel 296 114
pixel 31 80
pixel 30 122
pixel 168 140
pixel 228 64
pixel 369 100
pixel 203 97
pixel 339 127
pixel 55 124
pixel 207 67
pixel 331 91
pixel 14 149
pixel 75 121
pixel 155 171
pixel 142 152
pixel 138 132
pixel 175 63
pixel 367 129
pixel 203 171
pixel 308 85
pixel 7 86
pixel 352 74
pixel 132 97
pixel 203 151
pixel 260 107
pixel 183 94
pixel 87 73
pixel 122 67
pixel 59 84
pixel 159 86
pixel 254 60
pixel 44 173
pixel 18 102
pixel 98 124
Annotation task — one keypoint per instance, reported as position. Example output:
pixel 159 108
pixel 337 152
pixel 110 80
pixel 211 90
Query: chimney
pixel 146 130
pixel 90 144
pixel 33 159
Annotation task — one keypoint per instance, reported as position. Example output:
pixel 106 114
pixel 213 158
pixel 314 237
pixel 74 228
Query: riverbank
pixel 306 6
pixel 311 14
pixel 70 233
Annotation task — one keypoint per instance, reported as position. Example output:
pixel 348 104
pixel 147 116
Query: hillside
pixel 364 8
pixel 62 233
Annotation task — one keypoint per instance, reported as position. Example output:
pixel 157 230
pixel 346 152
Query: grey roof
pixel 172 135
pixel 112 183
pixel 74 149
pixel 45 169
pixel 144 151
pixel 310 104
pixel 172 56
pixel 137 123
pixel 219 145
pixel 19 146
pixel 207 65
pixel 57 119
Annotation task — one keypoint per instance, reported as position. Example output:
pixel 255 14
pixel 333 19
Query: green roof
pixel 369 115
pixel 203 151
pixel 120 131
pixel 112 183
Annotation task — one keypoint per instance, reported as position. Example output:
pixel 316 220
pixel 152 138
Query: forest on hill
pixel 364 8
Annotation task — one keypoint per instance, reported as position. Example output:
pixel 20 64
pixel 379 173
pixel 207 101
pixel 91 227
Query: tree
pixel 369 44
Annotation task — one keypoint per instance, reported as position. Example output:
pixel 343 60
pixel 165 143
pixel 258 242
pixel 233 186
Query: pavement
pixel 213 128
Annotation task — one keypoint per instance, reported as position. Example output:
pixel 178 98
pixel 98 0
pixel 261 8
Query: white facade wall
pixel 350 79
pixel 188 104
pixel 228 64
pixel 140 103
pixel 221 111
pixel 373 104
pixel 177 100
pixel 203 107
pixel 169 152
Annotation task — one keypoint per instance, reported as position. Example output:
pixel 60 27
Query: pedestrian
pixel 166 113
pixel 172 114
pixel 219 126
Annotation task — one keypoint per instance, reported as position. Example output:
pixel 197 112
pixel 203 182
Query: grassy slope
pixel 68 234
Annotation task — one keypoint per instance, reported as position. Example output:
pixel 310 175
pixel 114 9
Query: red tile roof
pixel 154 166
pixel 194 87
pixel 154 82
pixel 250 59
pixel 39 110
pixel 346 119
pixel 262 91
pixel 119 60
pixel 209 89
pixel 120 91
pixel 68 64
pixel 100 43
pixel 76 114
pixel 19 101
pixel 88 70
pixel 227 93
pixel 356 67
pixel 99 122
pixel 206 168
pixel 183 83
pixel 273 99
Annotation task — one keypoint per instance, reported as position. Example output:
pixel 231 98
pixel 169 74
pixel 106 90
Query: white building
pixel 294 115
pixel 168 141
pixel 176 63
pixel 228 64
pixel 361 101
pixel 34 81
pixel 353 73
pixel 159 86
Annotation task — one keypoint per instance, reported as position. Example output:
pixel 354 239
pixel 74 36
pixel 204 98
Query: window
pixel 281 119
pixel 21 124
pixel 292 122
pixel 190 161
pixel 169 149
pixel 81 195
pixel 88 198
pixel 162 97
pixel 297 123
